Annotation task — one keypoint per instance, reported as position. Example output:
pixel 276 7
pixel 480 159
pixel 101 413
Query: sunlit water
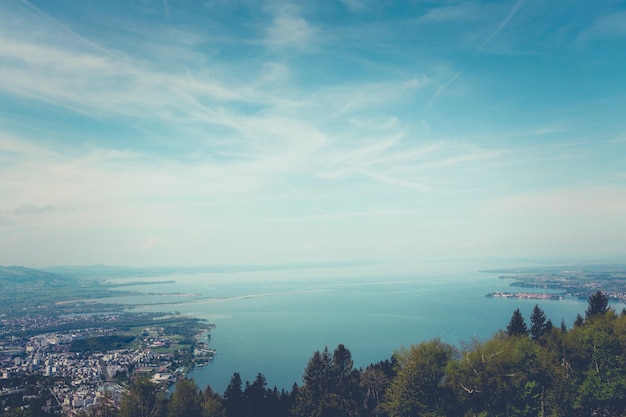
pixel 272 321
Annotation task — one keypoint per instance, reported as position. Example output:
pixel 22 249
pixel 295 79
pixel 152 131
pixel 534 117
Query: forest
pixel 534 369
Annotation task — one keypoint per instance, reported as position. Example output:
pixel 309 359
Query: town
pixel 76 369
pixel 576 282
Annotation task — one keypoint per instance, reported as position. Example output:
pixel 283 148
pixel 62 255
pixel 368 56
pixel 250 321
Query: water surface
pixel 272 321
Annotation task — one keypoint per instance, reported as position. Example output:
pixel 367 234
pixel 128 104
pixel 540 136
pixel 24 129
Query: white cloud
pixel 231 153
pixel 290 31
pixel 583 202
pixel 612 25
pixel 461 12
pixel 516 7
pixel 356 5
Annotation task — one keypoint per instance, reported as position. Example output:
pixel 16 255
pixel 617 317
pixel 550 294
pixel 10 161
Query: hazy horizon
pixel 161 132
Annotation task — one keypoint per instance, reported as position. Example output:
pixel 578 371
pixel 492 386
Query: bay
pixel 272 321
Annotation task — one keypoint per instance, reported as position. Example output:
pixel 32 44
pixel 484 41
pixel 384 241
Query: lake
pixel 272 321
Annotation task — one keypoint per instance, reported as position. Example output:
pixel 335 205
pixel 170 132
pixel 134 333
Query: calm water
pixel 272 321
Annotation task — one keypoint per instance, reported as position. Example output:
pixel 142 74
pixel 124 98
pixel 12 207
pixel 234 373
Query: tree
pixel 186 400
pixel 374 381
pixel 537 323
pixel 212 404
pixel 517 325
pixel 141 399
pixel 579 321
pixel 331 386
pixel 233 398
pixel 418 388
pixel 256 397
pixel 598 304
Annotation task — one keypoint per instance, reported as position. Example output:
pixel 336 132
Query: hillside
pixel 19 276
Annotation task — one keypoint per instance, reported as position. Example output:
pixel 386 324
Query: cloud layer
pixel 233 132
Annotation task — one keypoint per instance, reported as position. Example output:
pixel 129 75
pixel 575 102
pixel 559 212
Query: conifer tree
pixel 256 397
pixel 598 304
pixel 548 327
pixel 233 398
pixel 330 385
pixel 537 323
pixel 517 325
pixel 579 321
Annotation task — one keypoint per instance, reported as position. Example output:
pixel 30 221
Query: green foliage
pixel 374 382
pixel 101 343
pixel 233 397
pixel 331 386
pixel 517 325
pixel 418 388
pixel 186 400
pixel 598 305
pixel 538 323
pixel 141 400
pixel 579 321
pixel 212 405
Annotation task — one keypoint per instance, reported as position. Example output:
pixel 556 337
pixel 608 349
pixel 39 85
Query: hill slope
pixel 18 276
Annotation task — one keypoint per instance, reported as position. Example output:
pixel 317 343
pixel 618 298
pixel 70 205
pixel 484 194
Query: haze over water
pixel 272 321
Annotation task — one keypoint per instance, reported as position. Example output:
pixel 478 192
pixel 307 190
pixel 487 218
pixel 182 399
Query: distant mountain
pixel 16 276
pixel 99 272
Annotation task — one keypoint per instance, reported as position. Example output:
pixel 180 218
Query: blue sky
pixel 158 132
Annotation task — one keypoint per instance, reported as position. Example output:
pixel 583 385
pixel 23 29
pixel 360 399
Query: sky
pixel 184 132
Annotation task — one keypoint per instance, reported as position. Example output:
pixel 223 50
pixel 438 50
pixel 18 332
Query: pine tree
pixel 563 326
pixel 233 398
pixel 517 325
pixel 548 327
pixel 256 396
pixel 598 304
pixel 537 323
pixel 579 321
pixel 331 386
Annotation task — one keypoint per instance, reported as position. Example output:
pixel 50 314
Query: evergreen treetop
pixel 517 325
pixel 598 305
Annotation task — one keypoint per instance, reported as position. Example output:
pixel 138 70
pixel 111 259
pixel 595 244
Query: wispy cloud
pixel 460 12
pixel 503 24
pixel 166 9
pixel 241 135
pixel 289 30
pixel 608 26
pixel 356 5
pixel 442 87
